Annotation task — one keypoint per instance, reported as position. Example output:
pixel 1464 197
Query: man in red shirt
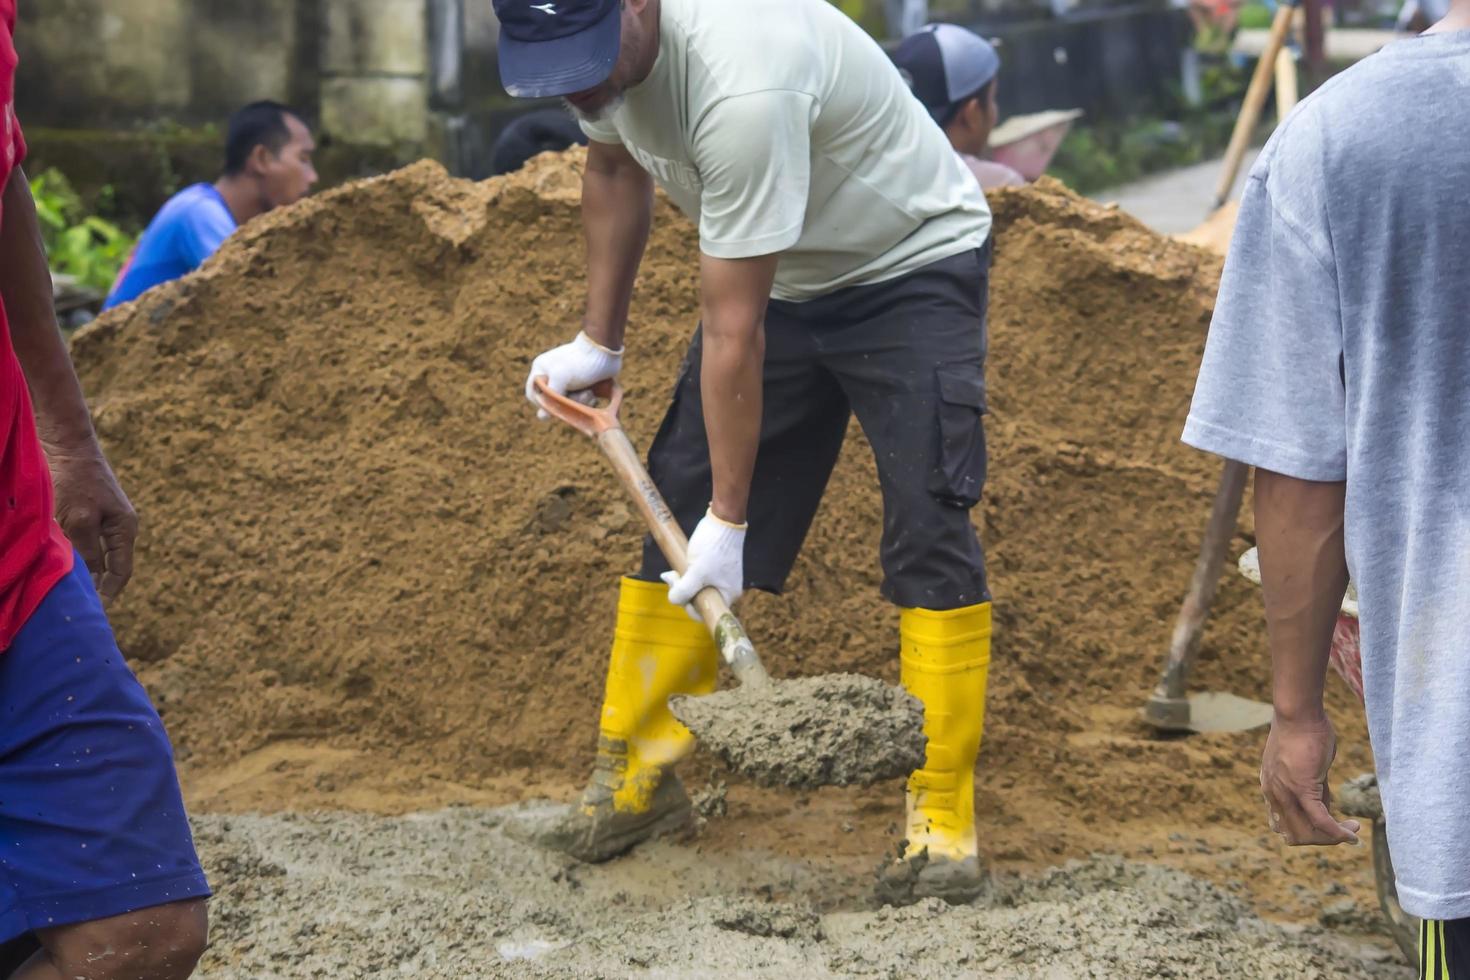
pixel 98 875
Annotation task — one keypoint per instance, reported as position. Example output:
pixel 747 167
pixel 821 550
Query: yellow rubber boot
pixel 945 664
pixel 632 796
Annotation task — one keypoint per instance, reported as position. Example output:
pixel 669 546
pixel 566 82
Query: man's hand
pixel 96 515
pixel 571 369
pixel 716 558
pixel 1294 783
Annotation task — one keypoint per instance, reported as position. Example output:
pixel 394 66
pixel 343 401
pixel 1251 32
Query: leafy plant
pixel 1096 157
pixel 88 248
pixel 1114 152
pixel 1256 16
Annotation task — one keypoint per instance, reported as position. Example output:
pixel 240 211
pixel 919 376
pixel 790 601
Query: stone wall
pixel 359 67
pixel 129 97
pixel 371 72
pixel 375 70
pixel 387 81
pixel 89 63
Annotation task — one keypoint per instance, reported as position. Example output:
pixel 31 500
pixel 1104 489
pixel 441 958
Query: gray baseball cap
pixel 945 64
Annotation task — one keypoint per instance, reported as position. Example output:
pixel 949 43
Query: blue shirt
pixel 185 231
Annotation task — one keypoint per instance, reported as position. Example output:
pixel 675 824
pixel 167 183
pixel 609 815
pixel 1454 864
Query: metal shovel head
pixel 1210 711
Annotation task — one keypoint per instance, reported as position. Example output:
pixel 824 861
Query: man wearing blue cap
pixel 952 71
pixel 844 256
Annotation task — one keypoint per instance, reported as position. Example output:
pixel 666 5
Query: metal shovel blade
pixel 1211 711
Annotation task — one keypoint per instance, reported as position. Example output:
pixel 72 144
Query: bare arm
pixel 617 210
pixel 25 286
pixel 1304 574
pixel 89 503
pixel 1299 529
pixel 734 297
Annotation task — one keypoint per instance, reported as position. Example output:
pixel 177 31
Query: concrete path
pixel 1343 44
pixel 1175 201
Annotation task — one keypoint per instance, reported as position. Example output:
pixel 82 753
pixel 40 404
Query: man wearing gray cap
pixel 953 72
pixel 844 256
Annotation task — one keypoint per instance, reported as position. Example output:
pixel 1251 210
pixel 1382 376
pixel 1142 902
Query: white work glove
pixel 573 368
pixel 716 557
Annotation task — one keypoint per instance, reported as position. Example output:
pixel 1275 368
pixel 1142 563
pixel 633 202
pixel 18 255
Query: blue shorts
pixel 91 818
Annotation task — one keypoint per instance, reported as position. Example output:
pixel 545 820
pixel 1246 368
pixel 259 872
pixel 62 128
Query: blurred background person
pixel 952 71
pixel 267 165
pixel 536 132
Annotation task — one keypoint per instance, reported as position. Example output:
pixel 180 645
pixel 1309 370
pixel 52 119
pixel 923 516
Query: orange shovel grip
pixel 587 419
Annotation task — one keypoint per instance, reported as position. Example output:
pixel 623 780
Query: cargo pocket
pixel 959 471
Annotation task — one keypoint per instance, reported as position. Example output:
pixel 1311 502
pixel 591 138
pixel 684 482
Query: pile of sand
pixel 369 578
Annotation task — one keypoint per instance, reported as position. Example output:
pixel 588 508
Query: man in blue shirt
pixel 267 165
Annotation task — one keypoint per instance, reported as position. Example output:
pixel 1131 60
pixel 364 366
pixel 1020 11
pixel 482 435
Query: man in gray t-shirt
pixel 1338 363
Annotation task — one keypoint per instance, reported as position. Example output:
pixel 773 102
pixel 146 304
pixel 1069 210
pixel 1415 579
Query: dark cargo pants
pixel 908 358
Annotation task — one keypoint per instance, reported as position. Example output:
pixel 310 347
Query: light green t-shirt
pixel 780 126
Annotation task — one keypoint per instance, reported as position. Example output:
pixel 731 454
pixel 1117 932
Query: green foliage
pixel 1109 153
pixel 1255 16
pixel 1212 37
pixel 1092 158
pixel 867 13
pixel 81 245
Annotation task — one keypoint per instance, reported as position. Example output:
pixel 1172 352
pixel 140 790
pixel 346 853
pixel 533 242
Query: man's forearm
pixel 730 384
pixel 62 418
pixel 1299 530
pixel 617 211
pixel 734 294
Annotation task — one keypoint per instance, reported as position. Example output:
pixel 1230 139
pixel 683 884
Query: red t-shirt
pixel 34 553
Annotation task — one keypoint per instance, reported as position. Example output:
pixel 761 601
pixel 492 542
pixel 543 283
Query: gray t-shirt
pixel 1340 350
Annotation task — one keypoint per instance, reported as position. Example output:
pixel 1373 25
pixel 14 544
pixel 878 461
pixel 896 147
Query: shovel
pixel 1216 231
pixel 1171 708
pixel 603 426
pixel 830 730
pixel 1267 65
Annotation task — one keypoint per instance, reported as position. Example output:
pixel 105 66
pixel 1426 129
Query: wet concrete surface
pixel 449 894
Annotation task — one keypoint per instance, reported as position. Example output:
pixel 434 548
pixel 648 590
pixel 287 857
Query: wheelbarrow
pixel 1359 797
pixel 1027 143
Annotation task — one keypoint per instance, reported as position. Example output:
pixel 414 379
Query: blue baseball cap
pixel 944 65
pixel 557 47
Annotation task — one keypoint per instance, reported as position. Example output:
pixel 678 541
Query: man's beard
pixel 596 115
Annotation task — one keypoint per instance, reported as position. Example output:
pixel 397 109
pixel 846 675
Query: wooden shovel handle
pixel 1287 91
pixel 603 426
pixel 1190 626
pixel 1255 100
